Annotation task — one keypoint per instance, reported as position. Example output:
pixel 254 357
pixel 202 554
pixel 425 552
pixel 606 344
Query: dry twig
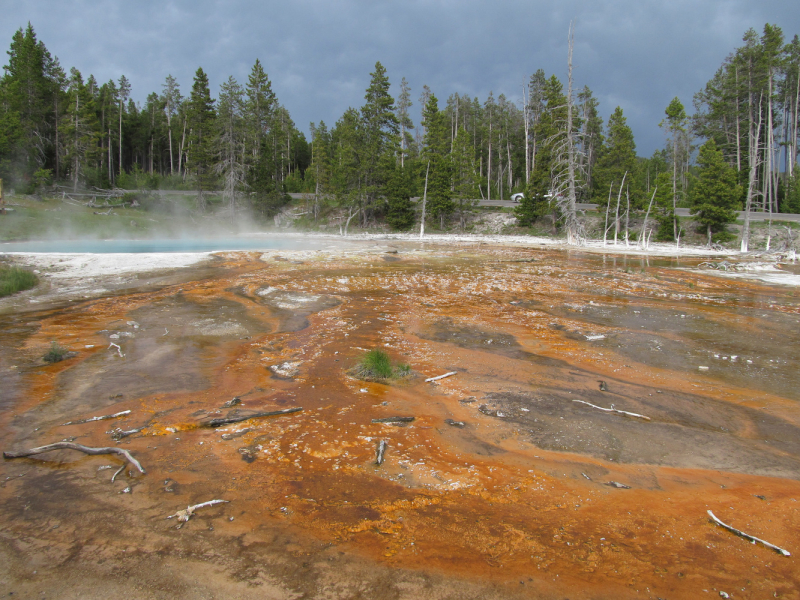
pixel 103 418
pixel 72 446
pixel 753 539
pixel 441 376
pixel 614 410
pixel 239 418
pixel 186 514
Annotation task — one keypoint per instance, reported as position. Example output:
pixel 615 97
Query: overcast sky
pixel 637 54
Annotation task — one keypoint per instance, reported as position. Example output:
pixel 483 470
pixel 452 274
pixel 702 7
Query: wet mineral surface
pixel 600 406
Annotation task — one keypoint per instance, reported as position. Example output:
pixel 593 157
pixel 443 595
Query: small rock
pixel 619 485
pixel 235 401
pixel 452 423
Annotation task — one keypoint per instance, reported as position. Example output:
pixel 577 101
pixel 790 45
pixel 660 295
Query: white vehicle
pixel 517 197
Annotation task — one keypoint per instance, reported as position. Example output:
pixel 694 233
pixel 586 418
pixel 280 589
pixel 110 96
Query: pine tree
pixel 465 186
pixel 436 151
pixel 404 120
pixel 260 106
pixel 716 194
pixel 675 125
pixel 400 210
pixel 379 136
pixel 202 134
pixel 230 145
pixel 617 157
pixel 171 98
pixel 79 128
pixel 29 122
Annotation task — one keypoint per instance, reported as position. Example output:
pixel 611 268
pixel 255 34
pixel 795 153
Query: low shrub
pixel 56 353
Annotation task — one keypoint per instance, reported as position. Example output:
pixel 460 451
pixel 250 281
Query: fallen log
pixel 239 418
pixel 753 539
pixel 80 448
pixel 382 445
pixel 186 514
pixel 441 376
pixel 103 418
pixel 394 420
pixel 614 410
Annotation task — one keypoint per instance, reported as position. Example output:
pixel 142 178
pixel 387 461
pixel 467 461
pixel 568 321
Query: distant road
pixel 681 212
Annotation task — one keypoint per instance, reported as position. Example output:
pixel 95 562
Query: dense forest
pixel 59 128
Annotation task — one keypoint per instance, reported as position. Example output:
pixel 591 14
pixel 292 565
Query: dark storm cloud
pixel 637 54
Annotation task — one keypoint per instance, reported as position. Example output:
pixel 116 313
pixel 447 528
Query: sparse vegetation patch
pixel 16 279
pixel 376 365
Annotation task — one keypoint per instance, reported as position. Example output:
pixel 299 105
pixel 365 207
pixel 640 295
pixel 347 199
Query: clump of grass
pixel 56 353
pixel 376 365
pixel 15 279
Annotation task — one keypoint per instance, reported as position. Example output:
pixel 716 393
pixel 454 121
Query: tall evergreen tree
pixel 716 194
pixel 404 120
pixel 171 97
pixel 617 157
pixel 379 136
pixel 79 128
pixel 436 153
pixel 675 124
pixel 230 145
pixel 465 184
pixel 202 135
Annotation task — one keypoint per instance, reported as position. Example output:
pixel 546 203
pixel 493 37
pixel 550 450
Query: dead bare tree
pixel 565 166
pixel 755 162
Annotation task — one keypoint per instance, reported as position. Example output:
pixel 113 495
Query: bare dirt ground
pixel 508 482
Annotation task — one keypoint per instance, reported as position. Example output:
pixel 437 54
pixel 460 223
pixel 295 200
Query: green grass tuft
pixel 15 279
pixel 377 365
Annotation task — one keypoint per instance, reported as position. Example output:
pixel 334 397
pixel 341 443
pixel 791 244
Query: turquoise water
pixel 163 245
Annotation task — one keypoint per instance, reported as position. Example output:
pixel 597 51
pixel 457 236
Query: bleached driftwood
pixel 103 418
pixel 616 484
pixel 614 410
pixel 121 355
pixel 80 448
pixel 441 376
pixel 239 418
pixel 186 514
pixel 381 451
pixel 753 539
pixel 120 470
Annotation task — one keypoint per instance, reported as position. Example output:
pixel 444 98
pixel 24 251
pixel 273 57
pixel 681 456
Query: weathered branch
pixel 186 514
pixel 382 445
pixel 239 418
pixel 120 470
pixel 441 376
pixel 103 418
pixel 746 536
pixel 72 446
pixel 394 420
pixel 614 410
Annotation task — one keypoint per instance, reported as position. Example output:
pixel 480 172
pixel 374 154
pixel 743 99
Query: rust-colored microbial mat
pixel 510 482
